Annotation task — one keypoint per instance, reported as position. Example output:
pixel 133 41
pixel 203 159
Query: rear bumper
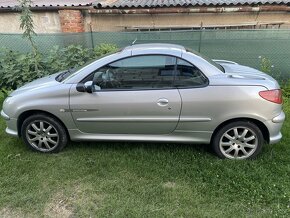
pixel 274 126
pixel 275 139
pixel 280 118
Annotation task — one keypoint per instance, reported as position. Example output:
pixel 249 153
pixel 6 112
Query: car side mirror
pixel 85 87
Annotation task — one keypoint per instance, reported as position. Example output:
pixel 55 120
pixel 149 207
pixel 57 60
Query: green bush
pixel 286 96
pixel 267 67
pixel 63 58
pixel 16 68
pixel 286 89
pixel 104 48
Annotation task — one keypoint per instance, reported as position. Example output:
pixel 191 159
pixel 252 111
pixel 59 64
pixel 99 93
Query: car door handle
pixel 162 102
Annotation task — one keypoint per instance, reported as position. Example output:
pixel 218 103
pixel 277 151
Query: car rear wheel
pixel 238 140
pixel 44 133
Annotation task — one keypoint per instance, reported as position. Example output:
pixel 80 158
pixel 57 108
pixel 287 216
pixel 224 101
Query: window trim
pixel 191 87
pixel 149 89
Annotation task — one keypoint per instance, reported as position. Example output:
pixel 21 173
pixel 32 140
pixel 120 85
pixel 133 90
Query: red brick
pixel 71 21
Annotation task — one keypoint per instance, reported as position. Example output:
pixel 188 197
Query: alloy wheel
pixel 42 135
pixel 238 143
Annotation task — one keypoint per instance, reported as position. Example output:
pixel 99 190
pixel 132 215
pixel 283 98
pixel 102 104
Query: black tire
pixel 56 143
pixel 226 144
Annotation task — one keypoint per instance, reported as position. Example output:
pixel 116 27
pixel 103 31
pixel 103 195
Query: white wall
pixel 45 22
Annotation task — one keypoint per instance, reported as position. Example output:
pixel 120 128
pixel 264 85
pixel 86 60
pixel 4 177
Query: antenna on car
pixel 134 41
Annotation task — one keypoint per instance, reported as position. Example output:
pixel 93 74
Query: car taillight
pixel 274 95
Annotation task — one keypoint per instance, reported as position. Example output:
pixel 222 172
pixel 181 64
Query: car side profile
pixel 150 92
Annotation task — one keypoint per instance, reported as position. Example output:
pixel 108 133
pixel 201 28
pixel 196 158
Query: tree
pixel 27 24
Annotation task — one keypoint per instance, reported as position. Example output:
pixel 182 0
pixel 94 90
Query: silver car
pixel 150 92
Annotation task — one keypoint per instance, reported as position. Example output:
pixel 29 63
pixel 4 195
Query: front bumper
pixel 11 124
pixel 5 116
pixel 274 126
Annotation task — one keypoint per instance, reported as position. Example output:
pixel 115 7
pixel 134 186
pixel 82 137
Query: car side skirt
pixel 197 137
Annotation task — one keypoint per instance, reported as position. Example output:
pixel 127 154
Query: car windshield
pixel 73 71
pixel 207 59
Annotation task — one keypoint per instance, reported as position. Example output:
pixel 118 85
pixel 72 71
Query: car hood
pixel 37 84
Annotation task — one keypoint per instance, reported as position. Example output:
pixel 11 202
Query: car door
pixel 134 95
pixel 197 108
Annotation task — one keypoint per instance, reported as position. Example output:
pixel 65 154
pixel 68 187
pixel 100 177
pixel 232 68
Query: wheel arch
pixel 29 113
pixel 259 124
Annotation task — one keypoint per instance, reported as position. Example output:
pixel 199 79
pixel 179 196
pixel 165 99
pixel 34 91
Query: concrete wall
pixel 45 22
pixel 102 22
pixel 49 22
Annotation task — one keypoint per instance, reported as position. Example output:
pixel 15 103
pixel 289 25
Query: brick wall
pixel 71 21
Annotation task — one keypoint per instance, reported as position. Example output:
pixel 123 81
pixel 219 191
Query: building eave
pixel 49 8
pixel 202 9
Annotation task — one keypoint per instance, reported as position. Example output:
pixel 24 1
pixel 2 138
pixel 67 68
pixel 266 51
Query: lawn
pixel 142 180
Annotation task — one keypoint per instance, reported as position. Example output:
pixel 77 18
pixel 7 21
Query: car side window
pixel 188 75
pixel 139 72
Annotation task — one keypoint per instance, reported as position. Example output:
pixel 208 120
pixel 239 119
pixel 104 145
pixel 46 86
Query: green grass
pixel 140 179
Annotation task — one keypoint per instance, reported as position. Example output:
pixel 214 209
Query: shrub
pixel 103 49
pixel 286 96
pixel 69 57
pixel 267 67
pixel 286 89
pixel 16 68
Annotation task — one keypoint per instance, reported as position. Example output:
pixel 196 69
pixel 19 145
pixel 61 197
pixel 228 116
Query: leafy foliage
pixel 266 67
pixel 286 89
pixel 63 58
pixel 16 68
pixel 26 20
pixel 104 48
pixel 27 24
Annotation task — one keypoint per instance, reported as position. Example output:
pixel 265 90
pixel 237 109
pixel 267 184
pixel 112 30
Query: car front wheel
pixel 43 133
pixel 238 140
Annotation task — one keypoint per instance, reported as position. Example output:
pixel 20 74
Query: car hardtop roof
pixel 154 46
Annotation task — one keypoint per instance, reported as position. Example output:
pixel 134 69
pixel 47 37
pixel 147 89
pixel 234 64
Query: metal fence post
pixel 92 36
pixel 200 37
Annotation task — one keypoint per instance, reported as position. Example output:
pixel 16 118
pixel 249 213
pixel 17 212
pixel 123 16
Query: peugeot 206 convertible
pixel 150 92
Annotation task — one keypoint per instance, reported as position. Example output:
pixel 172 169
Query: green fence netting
pixel 243 46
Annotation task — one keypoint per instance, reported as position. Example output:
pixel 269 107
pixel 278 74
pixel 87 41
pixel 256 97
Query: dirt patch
pixel 10 213
pixel 69 203
pixel 169 185
pixel 58 206
pixel 85 197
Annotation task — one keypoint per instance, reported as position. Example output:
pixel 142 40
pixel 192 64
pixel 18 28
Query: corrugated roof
pixel 45 3
pixel 172 3
pixel 137 3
